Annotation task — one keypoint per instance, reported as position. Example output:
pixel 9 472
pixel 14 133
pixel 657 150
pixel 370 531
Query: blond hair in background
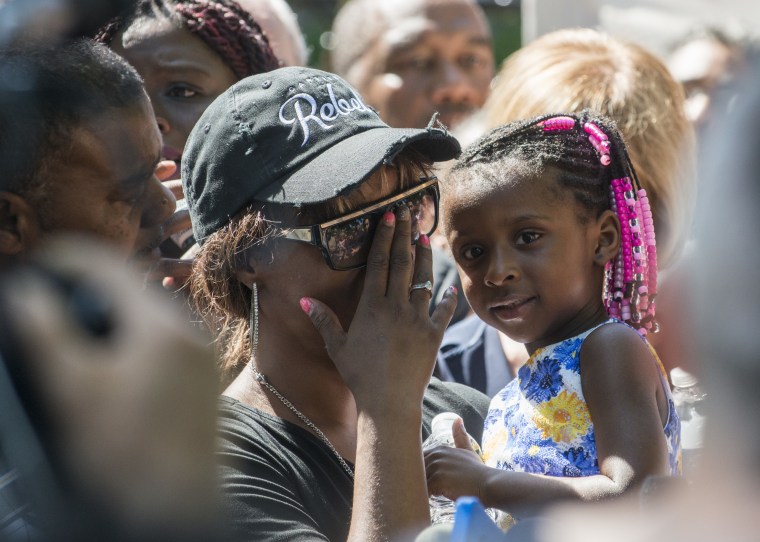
pixel 575 69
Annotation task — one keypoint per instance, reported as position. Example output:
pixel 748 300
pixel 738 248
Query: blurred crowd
pixel 212 326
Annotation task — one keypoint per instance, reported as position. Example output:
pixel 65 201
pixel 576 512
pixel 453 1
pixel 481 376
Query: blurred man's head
pixel 410 58
pixel 79 148
pixel 703 63
pixel 280 24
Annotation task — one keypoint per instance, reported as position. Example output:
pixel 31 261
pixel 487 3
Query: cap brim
pixel 349 162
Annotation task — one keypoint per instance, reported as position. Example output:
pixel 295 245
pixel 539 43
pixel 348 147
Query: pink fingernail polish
pixel 306 305
pixel 389 218
pixel 453 289
pixel 424 240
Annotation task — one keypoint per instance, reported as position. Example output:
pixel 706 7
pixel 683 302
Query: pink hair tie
pixel 557 123
pixel 599 141
pixel 593 130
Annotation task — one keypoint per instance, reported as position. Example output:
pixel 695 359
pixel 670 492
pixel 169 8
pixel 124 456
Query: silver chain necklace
pixel 262 380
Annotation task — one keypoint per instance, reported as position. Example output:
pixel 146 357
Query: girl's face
pixel 182 76
pixel 527 260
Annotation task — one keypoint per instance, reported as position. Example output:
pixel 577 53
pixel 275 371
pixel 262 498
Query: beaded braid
pixel 592 161
pixel 223 25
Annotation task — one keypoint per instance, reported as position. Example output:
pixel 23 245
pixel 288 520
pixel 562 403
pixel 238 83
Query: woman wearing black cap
pixel 305 203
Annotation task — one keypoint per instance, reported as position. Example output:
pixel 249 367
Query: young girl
pixel 555 245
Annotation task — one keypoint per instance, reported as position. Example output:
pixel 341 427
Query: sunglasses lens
pixel 348 242
pixel 422 208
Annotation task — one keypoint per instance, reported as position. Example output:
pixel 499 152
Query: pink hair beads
pixel 631 284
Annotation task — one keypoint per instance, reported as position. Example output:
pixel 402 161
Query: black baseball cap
pixel 293 135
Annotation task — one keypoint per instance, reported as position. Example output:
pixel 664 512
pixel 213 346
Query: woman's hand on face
pixel 387 355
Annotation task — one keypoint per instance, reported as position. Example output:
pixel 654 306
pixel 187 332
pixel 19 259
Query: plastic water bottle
pixel 689 401
pixel 442 510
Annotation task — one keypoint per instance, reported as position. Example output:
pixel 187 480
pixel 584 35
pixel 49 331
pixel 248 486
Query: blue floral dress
pixel 540 422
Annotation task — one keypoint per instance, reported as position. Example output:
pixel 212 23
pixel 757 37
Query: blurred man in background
pixel 705 62
pixel 412 58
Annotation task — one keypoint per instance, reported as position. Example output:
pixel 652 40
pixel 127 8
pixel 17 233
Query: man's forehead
pixel 407 31
pixel 409 21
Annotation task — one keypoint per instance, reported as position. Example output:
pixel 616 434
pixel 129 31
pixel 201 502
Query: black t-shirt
pixel 281 482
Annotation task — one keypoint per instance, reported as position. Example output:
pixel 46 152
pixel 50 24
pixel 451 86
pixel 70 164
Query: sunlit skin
pixel 528 262
pixel 182 76
pixel 437 58
pixel 532 259
pixel 111 189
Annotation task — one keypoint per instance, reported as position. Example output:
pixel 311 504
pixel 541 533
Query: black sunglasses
pixel 345 241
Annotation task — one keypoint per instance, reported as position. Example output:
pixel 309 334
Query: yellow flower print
pixel 563 417
pixel 495 444
pixel 535 356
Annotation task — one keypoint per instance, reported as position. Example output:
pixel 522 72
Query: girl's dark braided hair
pixel 589 156
pixel 223 25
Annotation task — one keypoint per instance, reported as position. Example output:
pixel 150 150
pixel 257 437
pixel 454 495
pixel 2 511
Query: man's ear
pixel 608 238
pixel 19 225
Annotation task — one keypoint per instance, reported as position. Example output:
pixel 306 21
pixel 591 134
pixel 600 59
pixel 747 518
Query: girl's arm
pixel 622 387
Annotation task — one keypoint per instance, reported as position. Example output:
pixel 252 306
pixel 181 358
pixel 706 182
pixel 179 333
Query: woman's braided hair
pixel 223 25
pixel 591 160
